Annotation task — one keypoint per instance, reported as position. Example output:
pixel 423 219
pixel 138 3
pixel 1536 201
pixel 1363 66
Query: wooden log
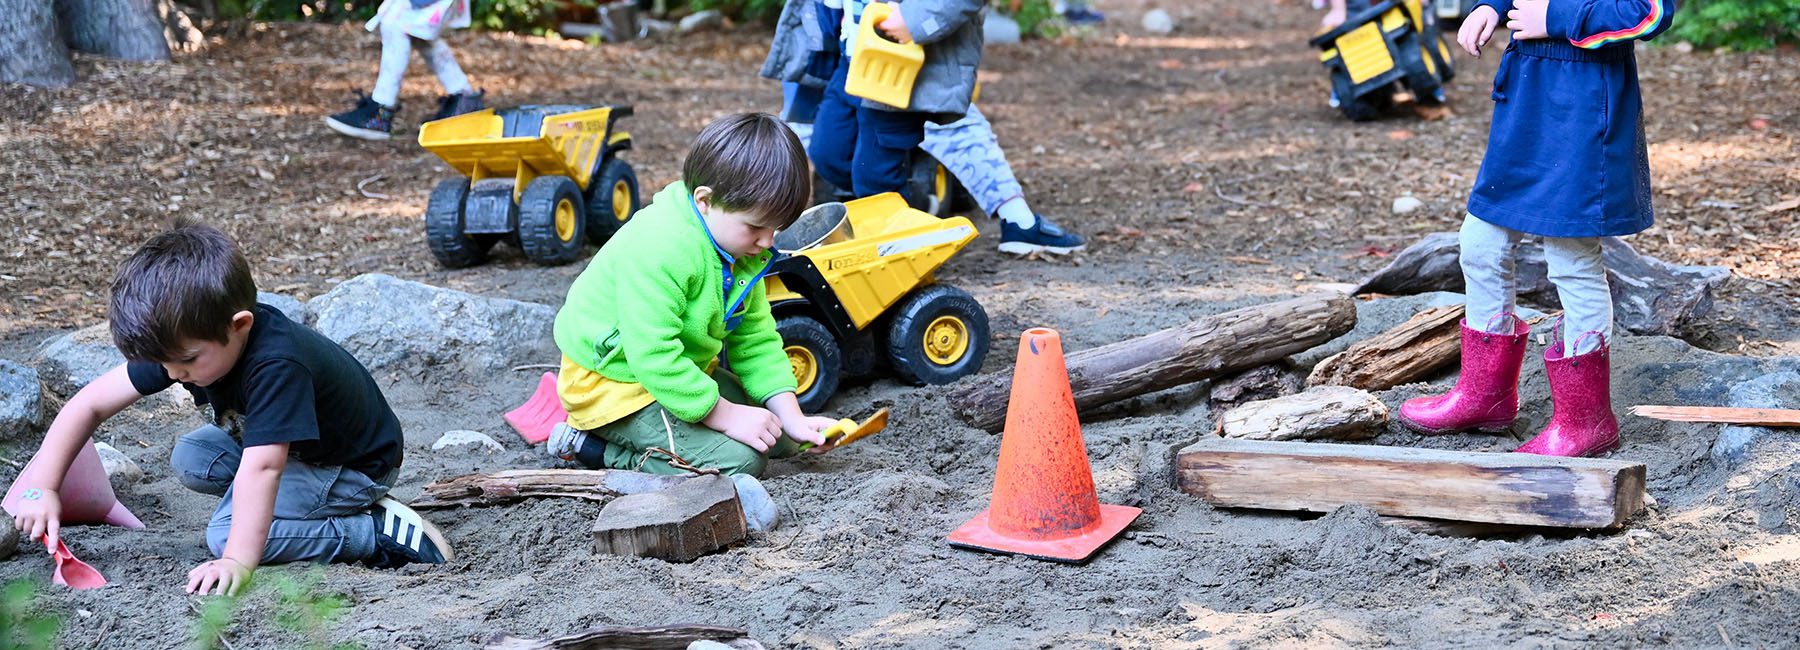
pixel 1721 414
pixel 513 485
pixel 1318 413
pixel 1267 381
pixel 1522 489
pixel 672 637
pixel 1209 347
pixel 1442 528
pixel 1650 296
pixel 684 522
pixel 1425 343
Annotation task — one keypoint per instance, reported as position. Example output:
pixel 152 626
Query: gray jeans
pixel 321 513
pixel 1489 253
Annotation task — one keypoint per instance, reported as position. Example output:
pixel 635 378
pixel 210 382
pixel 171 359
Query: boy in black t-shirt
pixel 303 446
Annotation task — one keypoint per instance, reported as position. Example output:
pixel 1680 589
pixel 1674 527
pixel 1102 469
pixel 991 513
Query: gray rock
pixel 701 20
pixel 119 467
pixel 72 360
pixel 651 27
pixel 1000 29
pixel 387 322
pixel 1779 390
pixel 1407 204
pixel 1157 21
pixel 21 400
pixel 761 514
pixel 9 538
pixel 465 438
pixel 293 309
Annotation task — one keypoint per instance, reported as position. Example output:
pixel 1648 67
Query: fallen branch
pixel 1721 414
pixel 513 485
pixel 670 637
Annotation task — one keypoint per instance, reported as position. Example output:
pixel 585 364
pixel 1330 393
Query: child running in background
pixel 1565 161
pixel 643 326
pixel 406 25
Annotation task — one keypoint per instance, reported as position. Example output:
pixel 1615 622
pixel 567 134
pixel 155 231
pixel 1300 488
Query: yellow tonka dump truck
pixel 1383 45
pixel 855 293
pixel 547 179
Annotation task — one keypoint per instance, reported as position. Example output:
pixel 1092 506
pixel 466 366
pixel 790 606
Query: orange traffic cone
pixel 1044 505
pixel 537 416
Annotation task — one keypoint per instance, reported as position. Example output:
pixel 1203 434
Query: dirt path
pixel 1207 171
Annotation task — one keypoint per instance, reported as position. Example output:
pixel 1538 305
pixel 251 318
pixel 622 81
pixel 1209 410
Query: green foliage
pixel 1743 25
pixel 20 628
pixel 1036 18
pixel 325 10
pixel 529 16
pixel 299 607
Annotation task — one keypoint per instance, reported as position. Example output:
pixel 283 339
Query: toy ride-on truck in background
pixel 855 293
pixel 1380 46
pixel 547 179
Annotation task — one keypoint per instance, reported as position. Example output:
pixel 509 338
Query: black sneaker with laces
pixel 369 120
pixel 403 537
pixel 458 104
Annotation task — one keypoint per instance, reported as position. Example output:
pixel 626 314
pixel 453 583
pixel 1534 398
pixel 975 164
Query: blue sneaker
pixel 1083 16
pixel 369 120
pixel 1045 237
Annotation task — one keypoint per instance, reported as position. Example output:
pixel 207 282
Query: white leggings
pixel 396 52
pixel 1576 268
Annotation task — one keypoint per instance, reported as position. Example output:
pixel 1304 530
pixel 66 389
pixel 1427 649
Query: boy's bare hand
pixel 223 576
pixel 751 425
pixel 1527 19
pixel 807 429
pixel 1477 29
pixel 40 516
pixel 895 26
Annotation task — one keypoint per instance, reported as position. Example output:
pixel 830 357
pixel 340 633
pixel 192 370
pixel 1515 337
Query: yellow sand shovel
pixel 847 431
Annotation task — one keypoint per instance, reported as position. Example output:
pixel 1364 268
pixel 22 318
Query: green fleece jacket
pixel 650 309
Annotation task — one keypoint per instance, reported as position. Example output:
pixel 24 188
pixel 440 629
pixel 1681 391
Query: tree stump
pixel 699 516
pixel 1318 413
pixel 121 29
pixel 1209 347
pixel 32 50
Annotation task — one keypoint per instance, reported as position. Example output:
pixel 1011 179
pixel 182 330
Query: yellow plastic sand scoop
pixel 880 69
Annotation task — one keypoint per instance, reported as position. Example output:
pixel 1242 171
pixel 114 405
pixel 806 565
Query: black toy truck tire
pixel 805 332
pixel 537 220
pixel 444 226
pixel 912 319
pixel 602 220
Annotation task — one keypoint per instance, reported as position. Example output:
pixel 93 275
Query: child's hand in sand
pixel 40 516
pixel 753 426
pixel 223 576
pixel 1477 29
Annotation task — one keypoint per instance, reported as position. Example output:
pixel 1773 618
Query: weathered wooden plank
pixel 1210 347
pixel 672 637
pixel 1521 489
pixel 1721 414
pixel 699 516
pixel 1318 413
pixel 1425 343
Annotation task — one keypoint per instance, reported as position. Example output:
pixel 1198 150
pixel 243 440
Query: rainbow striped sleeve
pixel 1621 20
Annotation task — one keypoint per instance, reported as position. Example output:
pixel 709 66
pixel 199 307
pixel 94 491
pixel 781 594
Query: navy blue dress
pixel 1566 154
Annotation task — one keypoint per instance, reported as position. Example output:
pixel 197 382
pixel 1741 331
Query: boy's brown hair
pixel 184 284
pixel 753 163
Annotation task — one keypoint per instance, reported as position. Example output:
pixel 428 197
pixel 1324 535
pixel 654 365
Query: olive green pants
pixel 624 443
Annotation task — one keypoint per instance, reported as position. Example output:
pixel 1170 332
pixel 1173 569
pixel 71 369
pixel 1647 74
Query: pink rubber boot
pixel 1581 418
pixel 1486 396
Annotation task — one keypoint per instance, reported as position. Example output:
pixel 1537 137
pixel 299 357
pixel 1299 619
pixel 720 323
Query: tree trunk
pixel 121 29
pixel 30 50
pixel 1209 347
pixel 1320 413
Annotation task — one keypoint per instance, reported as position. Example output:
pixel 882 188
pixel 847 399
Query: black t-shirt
pixel 293 385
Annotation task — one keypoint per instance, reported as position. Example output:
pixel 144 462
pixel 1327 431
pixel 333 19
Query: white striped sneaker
pixel 403 537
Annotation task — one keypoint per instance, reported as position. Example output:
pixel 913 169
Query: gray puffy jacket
pixel 950 30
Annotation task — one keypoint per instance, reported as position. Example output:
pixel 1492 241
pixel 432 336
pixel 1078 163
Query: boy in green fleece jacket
pixel 643 326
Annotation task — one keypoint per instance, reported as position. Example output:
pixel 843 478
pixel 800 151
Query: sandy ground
pixel 1210 175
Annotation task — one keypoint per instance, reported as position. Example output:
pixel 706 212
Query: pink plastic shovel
pixel 74 573
pixel 539 415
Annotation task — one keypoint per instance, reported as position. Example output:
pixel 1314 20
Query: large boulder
pixel 70 361
pixel 387 322
pixel 293 309
pixel 1776 390
pixel 21 400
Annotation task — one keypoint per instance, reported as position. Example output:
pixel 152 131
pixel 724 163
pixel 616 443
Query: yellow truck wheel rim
pixel 565 220
pixel 946 340
pixel 621 200
pixel 805 366
pixel 940 185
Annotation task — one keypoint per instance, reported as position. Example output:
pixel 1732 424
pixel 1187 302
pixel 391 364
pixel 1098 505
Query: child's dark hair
pixel 753 163
pixel 184 284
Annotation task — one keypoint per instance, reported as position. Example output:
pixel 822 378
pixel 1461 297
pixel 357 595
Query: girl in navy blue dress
pixel 1565 161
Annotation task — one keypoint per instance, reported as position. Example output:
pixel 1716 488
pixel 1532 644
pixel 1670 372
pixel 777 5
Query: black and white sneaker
pixel 369 120
pixel 565 441
pixel 403 537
